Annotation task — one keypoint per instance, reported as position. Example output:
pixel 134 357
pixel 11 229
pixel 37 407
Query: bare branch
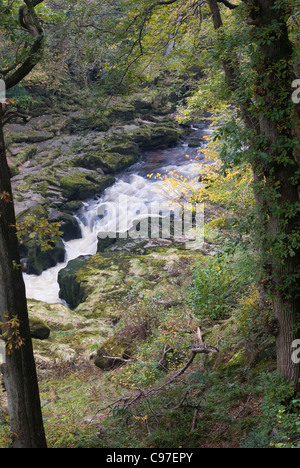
pixel 126 402
pixel 11 115
pixel 199 336
pixel 29 21
pixel 119 359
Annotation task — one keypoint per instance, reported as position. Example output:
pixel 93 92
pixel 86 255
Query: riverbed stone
pixel 81 184
pixel 69 225
pixel 71 290
pixel 35 260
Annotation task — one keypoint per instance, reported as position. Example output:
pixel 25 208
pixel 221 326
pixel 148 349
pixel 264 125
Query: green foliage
pixel 5 434
pixel 279 423
pixel 219 282
pixel 39 229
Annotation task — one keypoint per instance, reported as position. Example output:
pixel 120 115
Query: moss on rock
pixel 114 348
pixel 84 185
pixel 38 329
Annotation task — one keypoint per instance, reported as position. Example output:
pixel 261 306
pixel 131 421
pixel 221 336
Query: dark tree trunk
pixel 19 371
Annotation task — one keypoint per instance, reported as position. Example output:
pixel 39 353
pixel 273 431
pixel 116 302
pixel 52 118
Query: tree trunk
pixel 19 371
pixel 281 195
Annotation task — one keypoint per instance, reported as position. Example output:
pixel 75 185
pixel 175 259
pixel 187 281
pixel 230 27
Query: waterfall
pixel 138 188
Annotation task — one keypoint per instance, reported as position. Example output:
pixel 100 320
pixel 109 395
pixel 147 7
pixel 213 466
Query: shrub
pixel 279 424
pixel 218 284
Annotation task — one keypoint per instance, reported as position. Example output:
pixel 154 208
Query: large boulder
pixel 82 184
pixel 153 136
pixel 110 158
pixel 35 260
pixel 38 329
pixel 71 289
pixel 69 225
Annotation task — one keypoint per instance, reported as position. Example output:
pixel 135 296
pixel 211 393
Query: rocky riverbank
pixel 58 160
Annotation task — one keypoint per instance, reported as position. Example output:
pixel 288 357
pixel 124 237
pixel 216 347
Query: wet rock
pixel 69 225
pixel 71 290
pixel 35 261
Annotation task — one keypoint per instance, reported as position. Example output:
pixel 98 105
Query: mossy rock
pixel 115 162
pixel 35 261
pixel 121 113
pixel 103 244
pixel 127 148
pixel 111 159
pixel 71 290
pixel 33 258
pixel 69 225
pixel 104 281
pixel 114 347
pixel 164 137
pixel 72 206
pixel 31 137
pixel 84 185
pixel 91 161
pixel 39 329
pixel 13 170
pixel 142 136
pixel 83 123
pixel 151 136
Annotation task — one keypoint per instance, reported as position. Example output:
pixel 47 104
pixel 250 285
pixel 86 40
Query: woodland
pixel 149 342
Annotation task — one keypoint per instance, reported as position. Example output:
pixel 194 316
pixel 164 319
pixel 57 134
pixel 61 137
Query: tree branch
pixel 126 402
pixel 11 115
pixel 29 21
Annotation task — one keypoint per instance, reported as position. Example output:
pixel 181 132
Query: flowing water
pixel 138 188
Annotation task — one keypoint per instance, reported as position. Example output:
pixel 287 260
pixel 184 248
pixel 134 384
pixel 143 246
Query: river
pixel 133 183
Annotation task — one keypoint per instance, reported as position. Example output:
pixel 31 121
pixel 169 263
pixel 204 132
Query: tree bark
pixel 19 371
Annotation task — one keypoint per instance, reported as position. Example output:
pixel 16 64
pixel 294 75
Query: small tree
pixel 22 28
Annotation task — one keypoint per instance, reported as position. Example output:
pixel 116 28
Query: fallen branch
pixel 128 401
pixel 119 359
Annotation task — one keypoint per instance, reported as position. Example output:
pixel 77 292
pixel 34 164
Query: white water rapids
pixel 137 187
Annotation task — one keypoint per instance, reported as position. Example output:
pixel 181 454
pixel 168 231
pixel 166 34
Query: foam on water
pixel 139 190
